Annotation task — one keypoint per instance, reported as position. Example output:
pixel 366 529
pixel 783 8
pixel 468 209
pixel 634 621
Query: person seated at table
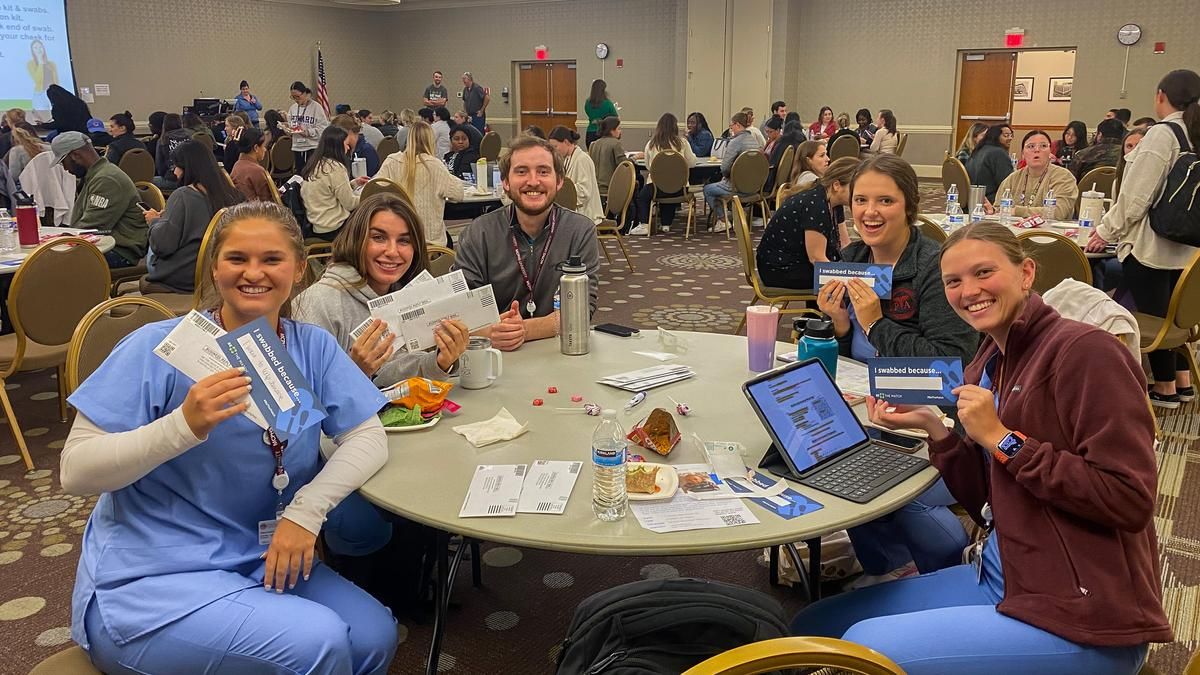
pixel 275 125
pixel 107 201
pixel 25 147
pixel 811 161
pixel 193 123
pixel 1074 139
pixel 462 157
pixel 388 124
pixel 666 137
pixel 1063 492
pixel 577 165
pixel 843 129
pixel 535 131
pixel 970 141
pixel 806 230
pixel 360 149
pixel 886 139
pixel 772 129
pixel 120 127
pixel 176 232
pixel 441 131
pixel 989 163
pixel 1143 123
pixel 699 136
pixel 824 127
pixel 866 128
pixel 462 120
pixel 1105 152
pixel 606 151
pixel 793 137
pixel 327 191
pixel 157 583
pixel 1030 184
pixel 426 180
pixel 248 175
pixel 379 251
pixel 172 137
pixel 740 140
pixel 518 249
pixel 369 130
pixel 13 118
pixel 234 125
pixel 916 321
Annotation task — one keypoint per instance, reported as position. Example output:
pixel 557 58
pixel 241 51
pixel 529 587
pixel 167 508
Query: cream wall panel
pixel 707 78
pixel 1042 66
pixel 750 61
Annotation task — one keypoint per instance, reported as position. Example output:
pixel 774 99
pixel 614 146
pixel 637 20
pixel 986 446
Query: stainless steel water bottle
pixel 574 310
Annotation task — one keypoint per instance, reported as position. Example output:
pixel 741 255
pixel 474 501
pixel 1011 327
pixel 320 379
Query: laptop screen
pixel 807 414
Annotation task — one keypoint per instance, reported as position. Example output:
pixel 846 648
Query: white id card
pixel 266 530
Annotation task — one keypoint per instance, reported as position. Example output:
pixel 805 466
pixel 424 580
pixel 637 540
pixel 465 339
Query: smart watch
pixel 1009 446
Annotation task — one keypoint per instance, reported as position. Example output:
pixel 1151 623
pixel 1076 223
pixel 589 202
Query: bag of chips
pixel 419 392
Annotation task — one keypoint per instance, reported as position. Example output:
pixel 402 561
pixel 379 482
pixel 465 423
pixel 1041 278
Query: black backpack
pixel 289 194
pixel 1176 216
pixel 665 626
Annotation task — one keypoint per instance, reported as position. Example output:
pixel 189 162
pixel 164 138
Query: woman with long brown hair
pixel 666 137
pixel 597 106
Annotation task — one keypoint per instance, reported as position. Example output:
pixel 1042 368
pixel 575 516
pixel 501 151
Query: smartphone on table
pixel 616 329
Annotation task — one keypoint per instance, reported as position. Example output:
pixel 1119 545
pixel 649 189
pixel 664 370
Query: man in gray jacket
pixel 519 249
pixel 740 140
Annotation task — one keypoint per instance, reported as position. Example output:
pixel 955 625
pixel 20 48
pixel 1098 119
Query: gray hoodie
pixel 337 305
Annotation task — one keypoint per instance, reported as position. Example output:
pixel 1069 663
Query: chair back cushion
pixel 441 260
pixel 620 188
pixel 845 146
pixel 1187 312
pixel 567 197
pixel 787 160
pixel 138 165
pixel 1057 258
pixel 282 158
pixel 668 172
pixel 745 244
pixel 1102 178
pixel 377 185
pixel 150 194
pixel 932 230
pixel 954 173
pixel 489 147
pixel 56 285
pixel 103 327
pixel 749 172
pixel 388 146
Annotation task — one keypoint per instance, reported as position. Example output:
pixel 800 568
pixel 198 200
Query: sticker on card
pixel 915 381
pixel 878 277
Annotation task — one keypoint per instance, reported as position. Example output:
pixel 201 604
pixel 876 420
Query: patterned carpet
pixel 515 622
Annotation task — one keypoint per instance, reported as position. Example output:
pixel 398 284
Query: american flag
pixel 322 93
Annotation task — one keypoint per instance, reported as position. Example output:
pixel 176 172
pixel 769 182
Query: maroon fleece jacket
pixel 1073 509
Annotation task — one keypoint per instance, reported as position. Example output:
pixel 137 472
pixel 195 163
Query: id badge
pixel 978 561
pixel 266 530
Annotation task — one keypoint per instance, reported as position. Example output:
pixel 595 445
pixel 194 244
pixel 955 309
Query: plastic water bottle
pixel 608 468
pixel 9 242
pixel 954 217
pixel 951 197
pixel 977 213
pixel 1049 204
pixel 1006 207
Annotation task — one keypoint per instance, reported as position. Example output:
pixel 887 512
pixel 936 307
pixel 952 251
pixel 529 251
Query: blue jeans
pixel 479 121
pixel 923 531
pixel 946 623
pixel 355 527
pixel 115 261
pixel 324 625
pixel 713 192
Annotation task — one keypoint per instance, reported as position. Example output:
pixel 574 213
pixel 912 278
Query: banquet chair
pixel 204 139
pixel 771 296
pixel 567 196
pixel 669 176
pixel 748 175
pixel 317 252
pixel 138 165
pixel 901 143
pixel 283 162
pixel 71 661
pixel 797 652
pixel 441 259
pixel 1057 258
pixel 274 189
pixel 620 193
pixel 954 173
pixel 149 193
pixel 785 191
pixel 102 328
pixel 1180 328
pixel 932 230
pixel 59 282
pixel 377 185
pixel 387 147
pixel 846 146
pixel 786 159
pixel 489 147
pixel 1100 178
pixel 182 303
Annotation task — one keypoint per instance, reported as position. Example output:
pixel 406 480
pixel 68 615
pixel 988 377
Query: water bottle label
pixel 1085 222
pixel 557 303
pixel 1006 203
pixel 608 456
pixel 951 197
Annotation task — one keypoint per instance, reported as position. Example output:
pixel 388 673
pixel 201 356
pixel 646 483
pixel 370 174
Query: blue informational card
pixel 277 386
pixel 878 277
pixel 915 381
pixel 787 505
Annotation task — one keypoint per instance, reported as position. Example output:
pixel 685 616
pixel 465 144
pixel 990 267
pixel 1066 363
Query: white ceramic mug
pixel 480 365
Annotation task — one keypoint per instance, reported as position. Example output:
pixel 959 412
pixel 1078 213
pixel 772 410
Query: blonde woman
pixel 25 147
pixel 970 140
pixel 408 117
pixel 425 179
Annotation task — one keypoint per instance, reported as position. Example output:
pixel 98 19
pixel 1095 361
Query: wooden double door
pixel 984 90
pixel 548 94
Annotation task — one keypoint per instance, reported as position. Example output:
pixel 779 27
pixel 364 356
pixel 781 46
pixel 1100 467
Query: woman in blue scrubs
pixel 198 558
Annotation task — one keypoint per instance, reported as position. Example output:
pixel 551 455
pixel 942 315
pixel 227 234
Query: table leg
pixel 476 565
pixel 814 568
pixel 773 559
pixel 447 569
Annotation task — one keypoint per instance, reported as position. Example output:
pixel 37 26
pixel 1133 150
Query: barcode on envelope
pixel 199 321
pixel 520 470
pixel 412 314
pixel 383 301
pixel 574 468
pixel 486 298
pixel 546 506
pixel 495 509
pixel 459 285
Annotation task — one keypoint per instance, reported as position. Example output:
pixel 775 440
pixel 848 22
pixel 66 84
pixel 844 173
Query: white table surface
pixel 1062 227
pixel 105 244
pixel 428 472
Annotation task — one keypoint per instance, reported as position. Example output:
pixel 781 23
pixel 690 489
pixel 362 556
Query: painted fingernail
pixel 279 590
pixel 306 577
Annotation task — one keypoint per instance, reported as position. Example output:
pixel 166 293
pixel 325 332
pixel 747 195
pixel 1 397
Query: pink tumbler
pixel 762 326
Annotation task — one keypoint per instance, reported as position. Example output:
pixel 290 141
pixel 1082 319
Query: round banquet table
pixel 9 262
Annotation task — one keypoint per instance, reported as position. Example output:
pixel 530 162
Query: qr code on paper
pixel 733 519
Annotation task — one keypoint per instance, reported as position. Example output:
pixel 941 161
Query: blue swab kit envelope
pixel 878 277
pixel 916 380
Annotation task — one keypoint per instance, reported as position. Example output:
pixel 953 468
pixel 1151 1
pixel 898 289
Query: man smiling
pixel 519 249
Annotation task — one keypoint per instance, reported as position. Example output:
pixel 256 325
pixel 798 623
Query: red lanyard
pixel 530 305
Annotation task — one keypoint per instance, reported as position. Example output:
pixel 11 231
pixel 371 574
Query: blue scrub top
pixel 186 533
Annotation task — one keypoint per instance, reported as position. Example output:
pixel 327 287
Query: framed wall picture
pixel 1060 88
pixel 1023 89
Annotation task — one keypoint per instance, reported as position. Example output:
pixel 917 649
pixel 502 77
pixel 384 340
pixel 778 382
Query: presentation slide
pixel 34 54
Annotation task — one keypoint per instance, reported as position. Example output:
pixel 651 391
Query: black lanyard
pixel 530 305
